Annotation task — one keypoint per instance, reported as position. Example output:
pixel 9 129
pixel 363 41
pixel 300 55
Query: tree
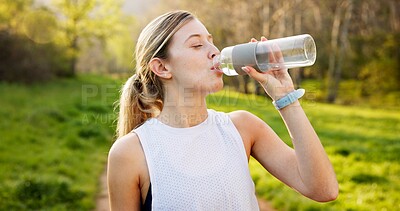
pixel 21 42
pixel 81 21
pixel 338 46
pixel 12 13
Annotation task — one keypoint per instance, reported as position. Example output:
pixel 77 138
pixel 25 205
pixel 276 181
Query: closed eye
pixel 197 46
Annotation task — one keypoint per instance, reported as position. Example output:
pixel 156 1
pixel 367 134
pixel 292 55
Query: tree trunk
pixel 297 16
pixel 264 30
pixel 74 59
pixel 394 16
pixel 338 44
pixel 332 92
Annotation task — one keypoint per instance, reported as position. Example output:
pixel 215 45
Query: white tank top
pixel 204 167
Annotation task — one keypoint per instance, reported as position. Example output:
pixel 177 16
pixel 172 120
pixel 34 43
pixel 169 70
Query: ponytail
pixel 140 100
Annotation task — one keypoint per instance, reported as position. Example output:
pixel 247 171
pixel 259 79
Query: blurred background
pixel 62 63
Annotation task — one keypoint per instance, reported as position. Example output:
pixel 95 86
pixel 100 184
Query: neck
pixel 185 109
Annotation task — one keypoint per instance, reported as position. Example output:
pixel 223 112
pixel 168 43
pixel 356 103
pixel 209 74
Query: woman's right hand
pixel 277 83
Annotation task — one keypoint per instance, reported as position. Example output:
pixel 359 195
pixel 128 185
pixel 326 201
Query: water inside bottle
pixel 225 64
pixel 228 69
pixel 294 54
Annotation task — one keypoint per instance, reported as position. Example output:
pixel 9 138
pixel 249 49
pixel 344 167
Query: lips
pixel 216 67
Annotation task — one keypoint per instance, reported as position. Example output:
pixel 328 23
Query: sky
pixel 138 7
pixel 135 7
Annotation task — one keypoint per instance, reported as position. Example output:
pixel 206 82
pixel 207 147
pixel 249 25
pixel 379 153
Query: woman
pixel 173 153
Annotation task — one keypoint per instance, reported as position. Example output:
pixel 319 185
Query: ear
pixel 158 67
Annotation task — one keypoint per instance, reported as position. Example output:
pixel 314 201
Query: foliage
pixel 19 60
pixel 59 34
pixel 381 74
pixel 42 194
pixel 12 12
pixel 81 22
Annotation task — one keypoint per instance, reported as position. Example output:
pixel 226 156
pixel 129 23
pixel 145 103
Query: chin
pixel 216 87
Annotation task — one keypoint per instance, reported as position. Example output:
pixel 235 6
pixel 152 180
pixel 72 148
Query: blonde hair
pixel 142 95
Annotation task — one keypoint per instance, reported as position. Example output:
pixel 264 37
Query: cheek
pixel 182 62
pixel 191 67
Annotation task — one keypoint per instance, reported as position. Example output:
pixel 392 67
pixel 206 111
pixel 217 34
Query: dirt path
pixel 102 199
pixel 103 205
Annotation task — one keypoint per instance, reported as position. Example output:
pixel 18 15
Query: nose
pixel 213 52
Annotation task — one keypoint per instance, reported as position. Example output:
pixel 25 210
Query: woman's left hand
pixel 277 82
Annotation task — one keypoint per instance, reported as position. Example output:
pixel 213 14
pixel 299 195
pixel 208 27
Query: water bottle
pixel 297 51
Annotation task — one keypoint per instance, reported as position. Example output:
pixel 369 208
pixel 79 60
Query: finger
pixel 263 39
pixel 277 53
pixel 270 50
pixel 260 77
pixel 253 40
pixel 271 56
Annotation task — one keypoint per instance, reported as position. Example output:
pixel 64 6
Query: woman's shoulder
pixel 235 116
pixel 126 149
pixel 245 121
pixel 242 116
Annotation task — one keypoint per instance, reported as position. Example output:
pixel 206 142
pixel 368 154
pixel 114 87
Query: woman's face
pixel 190 59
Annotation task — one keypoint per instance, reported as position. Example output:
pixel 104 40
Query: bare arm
pixel 123 174
pixel 313 165
pixel 306 168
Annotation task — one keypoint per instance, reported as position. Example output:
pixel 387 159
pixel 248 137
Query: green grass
pixel 54 140
pixel 350 92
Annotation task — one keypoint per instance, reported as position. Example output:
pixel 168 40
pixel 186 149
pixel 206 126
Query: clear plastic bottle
pixel 297 51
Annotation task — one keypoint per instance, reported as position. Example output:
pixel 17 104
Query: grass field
pixel 54 140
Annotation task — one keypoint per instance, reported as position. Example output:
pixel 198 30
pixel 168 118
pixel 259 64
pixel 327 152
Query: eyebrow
pixel 209 36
